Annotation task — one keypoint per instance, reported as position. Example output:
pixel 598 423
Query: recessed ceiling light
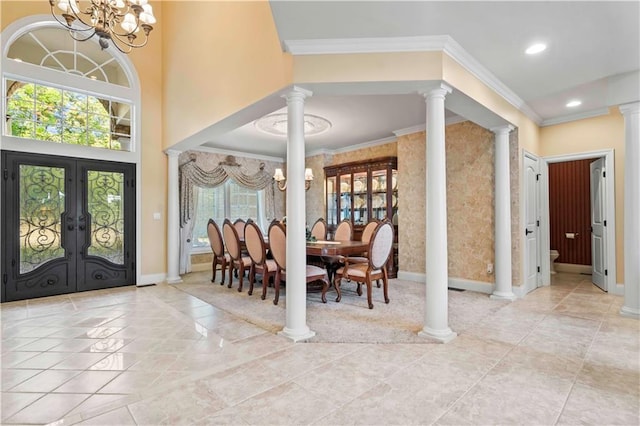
pixel 574 103
pixel 535 48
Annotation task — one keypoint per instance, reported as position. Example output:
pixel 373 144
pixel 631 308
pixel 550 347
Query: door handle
pixel 527 232
pixel 81 227
pixel 70 227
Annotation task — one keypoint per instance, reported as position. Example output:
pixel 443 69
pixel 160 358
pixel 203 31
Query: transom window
pixel 228 200
pixel 61 90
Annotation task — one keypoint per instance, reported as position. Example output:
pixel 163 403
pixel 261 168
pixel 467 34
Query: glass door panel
pixel 360 204
pixel 332 201
pixel 345 197
pixel 106 210
pixel 41 207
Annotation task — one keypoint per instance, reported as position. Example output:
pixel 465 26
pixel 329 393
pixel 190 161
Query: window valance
pixel 192 175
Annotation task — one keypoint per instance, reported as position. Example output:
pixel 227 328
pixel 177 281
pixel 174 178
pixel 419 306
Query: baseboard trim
pixel 151 279
pixel 618 290
pixel 457 283
pixel 573 269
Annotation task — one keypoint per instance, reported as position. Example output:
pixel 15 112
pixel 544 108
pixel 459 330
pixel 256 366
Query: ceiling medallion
pixel 276 124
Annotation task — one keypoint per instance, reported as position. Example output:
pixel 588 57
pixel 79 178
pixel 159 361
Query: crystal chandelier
pixel 117 21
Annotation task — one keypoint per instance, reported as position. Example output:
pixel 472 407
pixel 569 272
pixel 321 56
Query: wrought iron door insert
pixel 68 225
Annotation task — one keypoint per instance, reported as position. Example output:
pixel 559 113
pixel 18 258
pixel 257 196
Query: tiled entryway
pixel 157 355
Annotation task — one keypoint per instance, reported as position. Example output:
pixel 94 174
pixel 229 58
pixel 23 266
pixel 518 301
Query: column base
pixel 297 335
pixel 174 280
pixel 440 336
pixel 630 312
pixel 503 295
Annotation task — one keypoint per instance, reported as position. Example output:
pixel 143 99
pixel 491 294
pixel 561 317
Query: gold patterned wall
pixel 470 201
pixel 376 151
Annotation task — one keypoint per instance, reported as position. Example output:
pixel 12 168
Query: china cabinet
pixel 361 191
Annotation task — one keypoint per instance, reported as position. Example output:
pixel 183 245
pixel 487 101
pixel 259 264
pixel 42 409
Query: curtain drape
pixel 191 176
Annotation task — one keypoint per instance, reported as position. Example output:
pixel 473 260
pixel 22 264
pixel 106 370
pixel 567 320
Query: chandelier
pixel 118 21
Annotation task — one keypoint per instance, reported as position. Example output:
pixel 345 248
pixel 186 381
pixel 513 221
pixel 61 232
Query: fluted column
pixel 631 113
pixel 173 219
pixel 436 324
pixel 296 311
pixel 502 246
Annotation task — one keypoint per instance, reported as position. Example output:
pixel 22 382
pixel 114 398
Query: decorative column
pixel 631 113
pixel 503 289
pixel 296 310
pixel 173 220
pixel 436 310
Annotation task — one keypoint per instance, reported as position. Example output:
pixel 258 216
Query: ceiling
pixel 593 54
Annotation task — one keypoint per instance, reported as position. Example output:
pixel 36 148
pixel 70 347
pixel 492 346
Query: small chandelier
pixel 117 21
pixel 278 176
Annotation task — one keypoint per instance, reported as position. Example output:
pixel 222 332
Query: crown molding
pixel 350 148
pixel 410 130
pixel 442 43
pixel 241 154
pixel 573 117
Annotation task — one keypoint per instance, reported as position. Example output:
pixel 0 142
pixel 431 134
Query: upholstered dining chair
pixel 258 253
pixel 217 246
pixel 376 268
pixel 319 229
pixel 278 247
pixel 344 231
pixel 239 225
pixel 367 232
pixel 237 260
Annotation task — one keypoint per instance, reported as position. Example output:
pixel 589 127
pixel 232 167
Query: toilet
pixel 553 255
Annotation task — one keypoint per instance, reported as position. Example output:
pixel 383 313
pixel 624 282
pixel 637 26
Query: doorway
pixel 599 231
pixel 68 225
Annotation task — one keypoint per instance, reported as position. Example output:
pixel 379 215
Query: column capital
pixel 297 93
pixel 172 152
pixel 632 108
pixel 506 129
pixel 438 89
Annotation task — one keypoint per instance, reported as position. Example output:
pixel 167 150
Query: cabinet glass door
pixel 345 197
pixel 379 194
pixel 360 202
pixel 394 196
pixel 332 201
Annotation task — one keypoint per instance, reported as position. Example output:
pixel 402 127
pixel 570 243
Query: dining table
pixel 330 253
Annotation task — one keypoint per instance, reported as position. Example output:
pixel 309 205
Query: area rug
pixel 349 321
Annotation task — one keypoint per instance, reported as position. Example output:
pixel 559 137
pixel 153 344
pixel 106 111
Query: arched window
pixel 57 89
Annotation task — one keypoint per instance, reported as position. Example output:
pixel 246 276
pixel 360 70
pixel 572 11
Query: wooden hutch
pixel 361 191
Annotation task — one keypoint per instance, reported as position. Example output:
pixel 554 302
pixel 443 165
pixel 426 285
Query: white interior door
pixel 598 223
pixel 532 223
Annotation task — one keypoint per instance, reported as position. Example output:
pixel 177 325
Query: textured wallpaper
pixel 470 198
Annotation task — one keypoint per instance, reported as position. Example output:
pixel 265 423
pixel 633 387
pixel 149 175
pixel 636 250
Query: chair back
pixel 278 244
pixel 380 245
pixel 239 225
pixel 319 229
pixel 215 238
pixel 231 239
pixel 344 231
pixel 367 232
pixel 254 241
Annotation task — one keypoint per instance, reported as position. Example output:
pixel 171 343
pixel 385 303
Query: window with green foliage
pixel 228 200
pixel 36 111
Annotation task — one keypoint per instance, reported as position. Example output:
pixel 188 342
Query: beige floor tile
pixel 43 360
pixel 118 361
pixel 12 402
pixel 119 416
pixel 587 405
pixel 47 409
pixel 13 377
pixel 46 381
pixel 130 382
pixel 79 361
pixel 87 382
pixel 95 402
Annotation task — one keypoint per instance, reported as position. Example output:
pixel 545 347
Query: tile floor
pixel 156 355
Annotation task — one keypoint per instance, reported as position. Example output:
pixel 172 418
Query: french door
pixel 67 225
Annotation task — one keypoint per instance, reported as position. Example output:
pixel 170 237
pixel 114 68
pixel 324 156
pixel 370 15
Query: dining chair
pixel 319 229
pixel 376 268
pixel 258 253
pixel 278 247
pixel 217 246
pixel 367 232
pixel 237 260
pixel 344 231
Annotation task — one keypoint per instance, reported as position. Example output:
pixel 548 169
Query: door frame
pixel 610 211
